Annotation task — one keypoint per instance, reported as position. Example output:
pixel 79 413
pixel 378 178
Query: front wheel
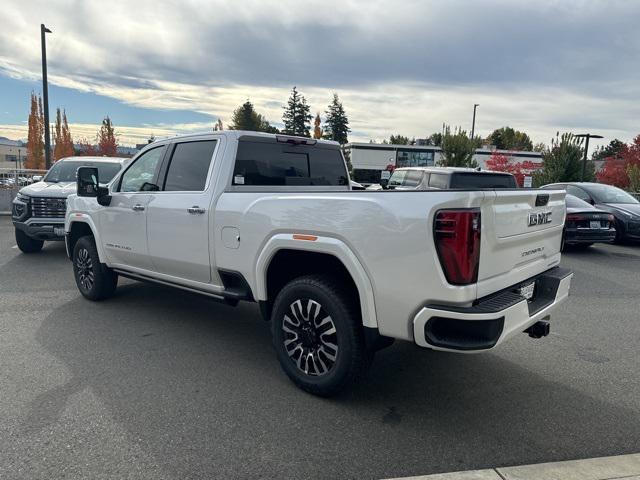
pixel 318 336
pixel 95 280
pixel 26 244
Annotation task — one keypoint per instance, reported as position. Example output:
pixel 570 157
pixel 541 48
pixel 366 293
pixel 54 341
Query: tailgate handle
pixel 542 199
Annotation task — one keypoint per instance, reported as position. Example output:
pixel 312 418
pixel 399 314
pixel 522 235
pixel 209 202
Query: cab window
pixel 140 176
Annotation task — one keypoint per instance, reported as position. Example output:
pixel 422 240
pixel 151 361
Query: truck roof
pixel 450 170
pixel 95 159
pixel 240 133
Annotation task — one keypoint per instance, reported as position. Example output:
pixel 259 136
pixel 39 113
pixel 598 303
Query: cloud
pixel 399 67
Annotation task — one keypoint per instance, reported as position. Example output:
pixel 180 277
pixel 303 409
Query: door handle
pixel 138 208
pixel 195 210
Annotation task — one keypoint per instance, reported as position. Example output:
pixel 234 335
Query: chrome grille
pixel 43 207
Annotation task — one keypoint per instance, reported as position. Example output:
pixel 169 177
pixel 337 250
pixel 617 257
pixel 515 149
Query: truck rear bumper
pixel 493 319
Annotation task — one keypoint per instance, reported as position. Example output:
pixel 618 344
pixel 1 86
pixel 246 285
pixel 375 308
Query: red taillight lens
pixel 575 218
pixel 457 237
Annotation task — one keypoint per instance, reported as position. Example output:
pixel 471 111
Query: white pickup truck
pixel 339 273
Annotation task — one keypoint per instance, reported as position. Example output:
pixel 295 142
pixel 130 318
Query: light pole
pixel 586 148
pixel 473 124
pixel 45 98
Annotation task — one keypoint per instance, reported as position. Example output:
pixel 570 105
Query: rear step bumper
pixel 493 319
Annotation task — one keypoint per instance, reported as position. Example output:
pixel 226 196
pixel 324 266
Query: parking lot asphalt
pixel 159 383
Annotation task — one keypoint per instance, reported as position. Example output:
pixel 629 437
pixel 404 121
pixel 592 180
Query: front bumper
pixel 41 229
pixel 493 319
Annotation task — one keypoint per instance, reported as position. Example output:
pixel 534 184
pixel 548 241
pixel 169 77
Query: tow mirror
pixel 88 182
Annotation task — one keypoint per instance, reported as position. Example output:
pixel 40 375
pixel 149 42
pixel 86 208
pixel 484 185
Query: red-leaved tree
pixel 499 162
pixel 616 169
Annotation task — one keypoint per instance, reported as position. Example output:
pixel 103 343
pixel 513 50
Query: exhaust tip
pixel 539 329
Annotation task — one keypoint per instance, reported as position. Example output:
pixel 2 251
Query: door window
pixel 140 175
pixel 189 166
pixel 578 192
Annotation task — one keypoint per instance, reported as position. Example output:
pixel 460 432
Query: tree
pixel 317 130
pixel 86 149
pixel 336 124
pixel 62 137
pixel 246 118
pixel 398 140
pixel 614 149
pixel 539 147
pixel 499 162
pixel 506 138
pixel 106 139
pixel 457 149
pixel 562 161
pixel 622 169
pixel 435 139
pixel 296 116
pixel 35 138
pixel 217 127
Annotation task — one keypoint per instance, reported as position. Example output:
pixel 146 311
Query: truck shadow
pixel 198 380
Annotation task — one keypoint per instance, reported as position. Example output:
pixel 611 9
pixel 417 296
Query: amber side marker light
pixel 309 238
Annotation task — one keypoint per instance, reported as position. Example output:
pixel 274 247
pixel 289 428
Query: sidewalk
pixel 620 467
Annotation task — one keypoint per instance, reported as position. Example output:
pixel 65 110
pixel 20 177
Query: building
pixel 12 153
pixel 370 159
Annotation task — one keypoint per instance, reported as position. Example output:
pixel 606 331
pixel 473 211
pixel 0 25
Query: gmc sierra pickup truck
pixel 339 273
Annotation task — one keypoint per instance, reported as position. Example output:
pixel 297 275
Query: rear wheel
pixel 27 244
pixel 318 336
pixel 95 280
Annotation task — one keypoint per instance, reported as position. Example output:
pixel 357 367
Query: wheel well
pixel 78 230
pixel 289 264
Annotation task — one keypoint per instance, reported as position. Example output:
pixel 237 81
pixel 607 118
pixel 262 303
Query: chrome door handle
pixel 138 207
pixel 195 210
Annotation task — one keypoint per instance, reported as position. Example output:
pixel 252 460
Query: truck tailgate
pixel 521 236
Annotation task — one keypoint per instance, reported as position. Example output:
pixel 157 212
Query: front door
pixel 179 216
pixel 123 224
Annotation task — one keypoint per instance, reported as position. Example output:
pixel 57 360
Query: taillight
pixel 457 238
pixel 575 218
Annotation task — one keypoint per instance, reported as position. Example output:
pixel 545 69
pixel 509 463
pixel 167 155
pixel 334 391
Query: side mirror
pixel 384 183
pixel 88 182
pixel 36 178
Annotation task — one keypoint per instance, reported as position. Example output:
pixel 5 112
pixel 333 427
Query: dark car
pixel 586 225
pixel 614 200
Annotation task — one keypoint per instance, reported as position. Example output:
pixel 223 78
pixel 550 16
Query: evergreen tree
pixel 296 116
pixel 562 162
pixel 57 137
pixel 217 127
pixel 106 139
pixel 398 140
pixel 457 149
pixel 614 149
pixel 317 130
pixel 336 125
pixel 35 139
pixel 506 138
pixel 67 141
pixel 246 118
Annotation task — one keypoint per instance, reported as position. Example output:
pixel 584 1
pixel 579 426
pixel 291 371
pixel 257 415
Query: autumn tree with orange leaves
pixel 107 143
pixel 35 139
pixel 62 137
pixel 499 162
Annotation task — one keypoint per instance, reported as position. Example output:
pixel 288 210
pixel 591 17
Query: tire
pixel 27 244
pixel 95 280
pixel 620 233
pixel 318 335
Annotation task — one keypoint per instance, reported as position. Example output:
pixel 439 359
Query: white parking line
pixel 603 468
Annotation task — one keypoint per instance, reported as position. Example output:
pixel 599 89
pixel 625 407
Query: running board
pixel 221 297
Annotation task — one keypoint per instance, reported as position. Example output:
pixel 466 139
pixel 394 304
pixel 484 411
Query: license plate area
pixel 595 224
pixel 527 290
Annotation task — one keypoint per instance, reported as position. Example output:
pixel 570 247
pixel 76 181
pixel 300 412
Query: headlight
pixel 23 198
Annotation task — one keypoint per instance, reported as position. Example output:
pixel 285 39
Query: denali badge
pixel 539 218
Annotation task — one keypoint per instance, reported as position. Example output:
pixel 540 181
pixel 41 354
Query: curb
pixel 603 468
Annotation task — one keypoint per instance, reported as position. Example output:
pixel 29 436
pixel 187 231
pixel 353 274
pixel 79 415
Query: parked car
pixel 38 209
pixel 339 273
pixel 585 225
pixel 445 178
pixel 624 207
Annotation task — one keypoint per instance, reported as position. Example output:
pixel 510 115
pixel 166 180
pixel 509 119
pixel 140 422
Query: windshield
pixel 609 194
pixel 66 171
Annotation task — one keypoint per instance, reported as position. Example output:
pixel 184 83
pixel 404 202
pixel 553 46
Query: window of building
pixel 189 166
pixel 413 158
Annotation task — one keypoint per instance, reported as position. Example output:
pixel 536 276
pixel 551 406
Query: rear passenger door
pixel 179 215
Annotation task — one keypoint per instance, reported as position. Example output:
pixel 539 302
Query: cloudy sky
pixel 166 67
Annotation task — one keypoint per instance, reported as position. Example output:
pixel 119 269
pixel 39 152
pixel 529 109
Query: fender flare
pixel 326 245
pixel 86 219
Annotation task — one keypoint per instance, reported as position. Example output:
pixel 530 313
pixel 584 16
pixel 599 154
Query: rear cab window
pixel 270 163
pixel 469 180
